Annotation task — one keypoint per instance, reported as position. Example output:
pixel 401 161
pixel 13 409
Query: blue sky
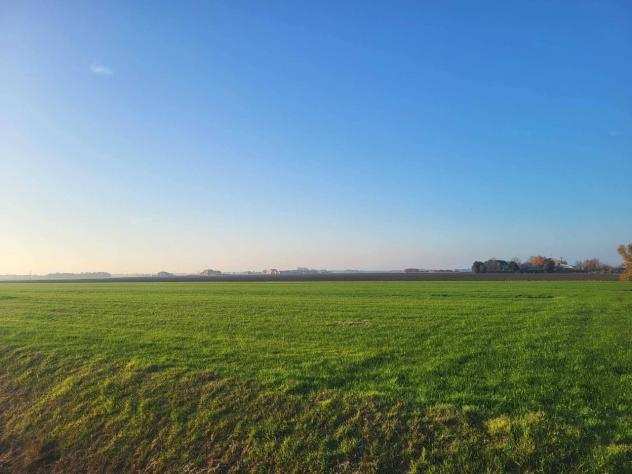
pixel 141 136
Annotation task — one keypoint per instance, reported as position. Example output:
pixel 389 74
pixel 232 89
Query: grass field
pixel 370 376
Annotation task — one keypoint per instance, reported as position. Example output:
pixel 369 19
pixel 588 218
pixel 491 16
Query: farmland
pixel 311 376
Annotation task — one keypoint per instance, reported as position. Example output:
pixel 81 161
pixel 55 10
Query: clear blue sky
pixel 141 136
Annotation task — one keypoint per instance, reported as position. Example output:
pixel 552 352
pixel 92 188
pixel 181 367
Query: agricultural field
pixel 313 376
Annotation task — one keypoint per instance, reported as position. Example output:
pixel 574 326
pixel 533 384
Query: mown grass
pixel 371 376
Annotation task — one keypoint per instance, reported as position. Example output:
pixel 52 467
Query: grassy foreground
pixel 372 376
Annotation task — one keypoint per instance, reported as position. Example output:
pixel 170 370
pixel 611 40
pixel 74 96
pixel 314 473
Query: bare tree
pixel 593 265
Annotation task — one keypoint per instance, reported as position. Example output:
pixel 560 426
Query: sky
pixel 179 136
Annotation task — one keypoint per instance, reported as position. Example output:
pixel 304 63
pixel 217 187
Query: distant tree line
pixel 495 265
pixel 82 276
pixel 542 264
pixel 534 264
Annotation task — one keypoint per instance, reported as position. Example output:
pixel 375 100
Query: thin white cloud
pixel 101 70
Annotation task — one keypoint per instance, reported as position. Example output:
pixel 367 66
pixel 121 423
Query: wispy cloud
pixel 101 70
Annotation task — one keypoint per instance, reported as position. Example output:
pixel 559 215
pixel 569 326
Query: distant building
pixel 561 265
pixel 565 267
pixel 412 270
pixel 164 274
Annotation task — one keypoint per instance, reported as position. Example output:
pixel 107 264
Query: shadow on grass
pixel 101 416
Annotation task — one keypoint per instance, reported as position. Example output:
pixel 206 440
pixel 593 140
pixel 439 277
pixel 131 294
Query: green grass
pixel 375 376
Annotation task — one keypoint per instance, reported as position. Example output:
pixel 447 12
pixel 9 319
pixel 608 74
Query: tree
pixel 626 253
pixel 493 265
pixel 478 267
pixel 537 261
pixel 210 272
pixel 592 265
pixel 514 266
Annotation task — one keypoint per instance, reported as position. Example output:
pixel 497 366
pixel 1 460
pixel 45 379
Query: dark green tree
pixel 548 265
